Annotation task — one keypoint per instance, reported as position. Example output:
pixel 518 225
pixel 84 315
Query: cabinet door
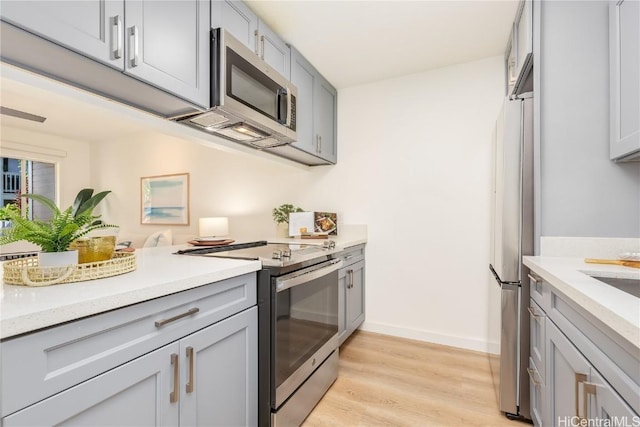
pixel 94 28
pixel 537 338
pixel 355 296
pixel 537 395
pixel 237 19
pixel 605 404
pixel 624 51
pixel 273 50
pixel 524 40
pixel 168 46
pixel 567 373
pixel 220 373
pixel 137 393
pixel 325 119
pixel 304 76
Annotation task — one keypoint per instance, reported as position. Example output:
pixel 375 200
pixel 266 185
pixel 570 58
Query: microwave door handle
pixel 289 107
pixel 282 111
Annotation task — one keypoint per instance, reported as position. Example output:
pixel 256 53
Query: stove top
pixel 270 254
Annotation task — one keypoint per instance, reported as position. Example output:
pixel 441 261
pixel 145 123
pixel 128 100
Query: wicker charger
pixel 26 272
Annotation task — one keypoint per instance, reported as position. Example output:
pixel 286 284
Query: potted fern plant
pixel 281 217
pixel 56 235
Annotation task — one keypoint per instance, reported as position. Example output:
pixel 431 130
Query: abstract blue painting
pixel 165 199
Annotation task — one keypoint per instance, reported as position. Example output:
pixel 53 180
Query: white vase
pixel 57 259
pixel 282 230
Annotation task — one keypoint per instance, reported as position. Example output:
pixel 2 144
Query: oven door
pixel 305 319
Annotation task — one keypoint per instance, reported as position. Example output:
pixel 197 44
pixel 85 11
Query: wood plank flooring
pixel 389 381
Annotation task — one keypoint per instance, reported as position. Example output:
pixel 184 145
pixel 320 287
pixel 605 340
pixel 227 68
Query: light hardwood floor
pixel 388 381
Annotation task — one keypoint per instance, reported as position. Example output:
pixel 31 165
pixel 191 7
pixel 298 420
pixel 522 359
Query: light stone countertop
pixel 616 309
pixel 159 272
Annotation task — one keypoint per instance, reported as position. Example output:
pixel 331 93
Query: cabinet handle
pixel 173 396
pixel 534 279
pixel 350 273
pixel 262 46
pixel 580 378
pixel 320 144
pixel 255 35
pixel 532 375
pixel 589 389
pixel 117 26
pixel 163 322
pixel 535 316
pixel 190 384
pixel 133 46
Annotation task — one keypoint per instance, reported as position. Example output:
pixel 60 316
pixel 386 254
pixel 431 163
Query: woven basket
pixel 26 272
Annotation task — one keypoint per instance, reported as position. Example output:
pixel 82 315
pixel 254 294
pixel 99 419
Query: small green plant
pixel 281 213
pixel 63 228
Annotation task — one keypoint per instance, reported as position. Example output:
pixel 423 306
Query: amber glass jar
pixel 94 249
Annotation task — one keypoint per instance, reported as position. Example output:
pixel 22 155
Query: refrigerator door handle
pixel 505 285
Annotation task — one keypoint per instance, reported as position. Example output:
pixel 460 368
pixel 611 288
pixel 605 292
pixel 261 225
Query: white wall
pixel 244 188
pixel 414 165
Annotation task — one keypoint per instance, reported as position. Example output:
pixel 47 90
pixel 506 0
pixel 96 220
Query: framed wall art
pixel 164 199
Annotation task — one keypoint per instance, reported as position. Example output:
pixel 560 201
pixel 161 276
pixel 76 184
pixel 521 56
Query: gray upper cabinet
pixel 624 51
pixel 163 43
pixel 520 51
pixel 236 17
pixel 316 113
pixel 167 44
pixel 94 28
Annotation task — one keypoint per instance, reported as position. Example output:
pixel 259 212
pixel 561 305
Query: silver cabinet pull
pixel 534 279
pixel 116 36
pixel 320 144
pixel 255 36
pixel 317 143
pixel 589 389
pixel 133 46
pixel 350 285
pixel 580 378
pixel 535 316
pixel 532 375
pixel 173 396
pixel 262 46
pixel 190 384
pixel 163 322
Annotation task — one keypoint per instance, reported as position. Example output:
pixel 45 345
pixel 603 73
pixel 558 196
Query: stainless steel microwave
pixel 251 102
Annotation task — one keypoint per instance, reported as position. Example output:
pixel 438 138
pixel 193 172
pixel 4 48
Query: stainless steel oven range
pixel 297 325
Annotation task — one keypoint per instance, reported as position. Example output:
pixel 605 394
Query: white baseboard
pixel 432 337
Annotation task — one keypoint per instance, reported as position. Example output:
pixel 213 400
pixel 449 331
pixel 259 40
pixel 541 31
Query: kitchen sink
pixel 630 286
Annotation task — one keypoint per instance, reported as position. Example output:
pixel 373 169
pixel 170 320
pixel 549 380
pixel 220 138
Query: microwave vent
pixel 209 120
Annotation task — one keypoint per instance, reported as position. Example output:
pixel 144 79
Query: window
pixel 21 176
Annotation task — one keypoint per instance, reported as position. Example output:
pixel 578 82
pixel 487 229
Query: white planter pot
pixel 57 259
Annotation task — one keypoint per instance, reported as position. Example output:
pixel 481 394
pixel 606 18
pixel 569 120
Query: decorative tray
pixel 197 242
pixel 26 272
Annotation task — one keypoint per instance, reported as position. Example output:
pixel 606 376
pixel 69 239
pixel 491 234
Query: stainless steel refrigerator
pixel 512 237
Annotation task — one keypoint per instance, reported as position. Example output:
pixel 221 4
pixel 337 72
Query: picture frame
pixel 164 199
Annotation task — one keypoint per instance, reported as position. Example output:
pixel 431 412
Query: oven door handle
pixel 297 279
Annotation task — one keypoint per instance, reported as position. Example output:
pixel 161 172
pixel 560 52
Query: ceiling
pixel 350 42
pixel 358 42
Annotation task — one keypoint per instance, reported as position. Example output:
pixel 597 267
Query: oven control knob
pixel 329 244
pixel 286 253
pixel 277 255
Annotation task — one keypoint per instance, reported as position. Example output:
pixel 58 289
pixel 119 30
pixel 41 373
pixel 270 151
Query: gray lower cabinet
pixel 236 17
pixel 624 69
pixel 184 359
pixel 163 43
pixel 316 111
pixel 576 370
pixel 351 293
